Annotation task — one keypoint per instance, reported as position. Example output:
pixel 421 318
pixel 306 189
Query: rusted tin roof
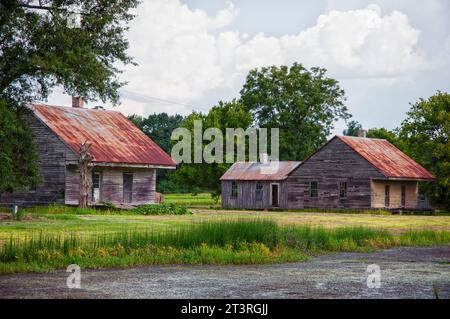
pixel 114 138
pixel 252 171
pixel 387 158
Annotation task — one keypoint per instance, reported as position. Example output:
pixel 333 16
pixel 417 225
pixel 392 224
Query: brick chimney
pixel 362 133
pixel 77 101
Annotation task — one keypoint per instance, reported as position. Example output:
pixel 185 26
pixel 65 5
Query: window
pixel 343 189
pixel 33 187
pixel 234 190
pixel 259 191
pixel 313 186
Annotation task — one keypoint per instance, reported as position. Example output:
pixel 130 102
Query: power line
pixel 154 98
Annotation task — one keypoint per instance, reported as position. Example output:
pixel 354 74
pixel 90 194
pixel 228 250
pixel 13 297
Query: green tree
pixel 159 127
pixel 353 128
pixel 425 133
pixel 203 175
pixel 18 169
pixel 40 48
pixel 302 103
pixel 391 136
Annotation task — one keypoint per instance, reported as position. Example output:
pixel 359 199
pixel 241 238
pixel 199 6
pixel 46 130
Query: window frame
pixel 343 191
pixel 234 190
pixel 316 183
pixel 259 191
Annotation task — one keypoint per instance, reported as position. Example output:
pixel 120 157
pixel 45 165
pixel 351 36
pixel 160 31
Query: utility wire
pixel 130 95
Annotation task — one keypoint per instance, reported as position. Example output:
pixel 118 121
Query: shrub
pixel 161 209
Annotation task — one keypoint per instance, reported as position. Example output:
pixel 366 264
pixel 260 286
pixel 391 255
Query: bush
pixel 161 209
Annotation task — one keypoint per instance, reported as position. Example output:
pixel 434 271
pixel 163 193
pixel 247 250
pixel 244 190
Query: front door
pixel 127 187
pixel 403 198
pixel 96 181
pixel 275 194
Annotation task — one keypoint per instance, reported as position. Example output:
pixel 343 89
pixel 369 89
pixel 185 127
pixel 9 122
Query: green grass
pixel 192 200
pixel 209 242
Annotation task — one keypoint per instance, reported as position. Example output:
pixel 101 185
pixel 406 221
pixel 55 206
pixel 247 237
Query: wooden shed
pixel 253 185
pixel 124 159
pixel 346 172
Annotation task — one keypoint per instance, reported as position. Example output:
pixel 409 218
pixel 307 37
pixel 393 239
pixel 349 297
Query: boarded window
pixel 343 189
pixel 234 190
pixel 313 187
pixel 259 191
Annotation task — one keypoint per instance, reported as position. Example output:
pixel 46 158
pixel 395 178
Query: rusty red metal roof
pixel 252 171
pixel 387 158
pixel 114 138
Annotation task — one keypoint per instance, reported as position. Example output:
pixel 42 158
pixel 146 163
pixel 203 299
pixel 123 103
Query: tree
pixel 159 127
pixel 425 133
pixel 18 168
pixel 40 48
pixel 353 128
pixel 302 103
pixel 203 175
pixel 391 136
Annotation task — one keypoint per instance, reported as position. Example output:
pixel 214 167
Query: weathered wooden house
pixel 255 185
pixel 346 172
pixel 124 159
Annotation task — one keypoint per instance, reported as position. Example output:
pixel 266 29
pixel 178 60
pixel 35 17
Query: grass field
pixel 192 200
pixel 56 224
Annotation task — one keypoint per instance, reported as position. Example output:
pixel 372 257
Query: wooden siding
pixel 334 163
pixel 53 155
pixel 395 194
pixel 111 185
pixel 246 198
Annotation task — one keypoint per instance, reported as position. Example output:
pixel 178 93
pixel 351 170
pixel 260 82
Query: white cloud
pixel 183 54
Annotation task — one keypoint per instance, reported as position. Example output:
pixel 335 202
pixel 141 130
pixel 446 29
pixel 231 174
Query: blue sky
pixel 194 53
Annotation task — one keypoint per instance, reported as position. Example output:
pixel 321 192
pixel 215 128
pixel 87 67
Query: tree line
pixel 40 49
pixel 304 104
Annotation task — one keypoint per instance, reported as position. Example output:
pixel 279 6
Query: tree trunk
pixel 84 166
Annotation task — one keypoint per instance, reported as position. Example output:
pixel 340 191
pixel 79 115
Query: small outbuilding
pixel 254 185
pixel 124 159
pixel 345 173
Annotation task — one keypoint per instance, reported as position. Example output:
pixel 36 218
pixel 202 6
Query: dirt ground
pixel 405 273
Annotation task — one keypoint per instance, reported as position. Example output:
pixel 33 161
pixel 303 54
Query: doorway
pixel 274 195
pixel 96 183
pixel 127 187
pixel 403 198
pixel 387 197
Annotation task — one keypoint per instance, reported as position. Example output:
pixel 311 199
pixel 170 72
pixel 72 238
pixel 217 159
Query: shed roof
pixel 114 138
pixel 252 171
pixel 387 158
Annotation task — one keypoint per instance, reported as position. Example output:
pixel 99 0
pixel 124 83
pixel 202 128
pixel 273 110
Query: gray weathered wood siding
pixel 111 185
pixel 246 197
pixel 53 155
pixel 334 163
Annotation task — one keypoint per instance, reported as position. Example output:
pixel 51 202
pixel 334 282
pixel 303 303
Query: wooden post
pixel 84 164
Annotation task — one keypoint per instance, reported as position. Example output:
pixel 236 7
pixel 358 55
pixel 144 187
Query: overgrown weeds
pixel 214 242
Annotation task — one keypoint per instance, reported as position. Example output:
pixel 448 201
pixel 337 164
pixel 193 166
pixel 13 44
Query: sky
pixel 193 53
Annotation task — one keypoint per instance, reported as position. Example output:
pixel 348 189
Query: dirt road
pixel 405 273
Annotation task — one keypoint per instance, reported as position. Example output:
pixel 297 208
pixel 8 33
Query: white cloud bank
pixel 183 54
